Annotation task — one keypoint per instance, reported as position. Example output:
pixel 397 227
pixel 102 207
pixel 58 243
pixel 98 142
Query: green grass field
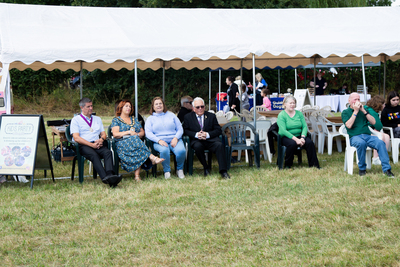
pixel 260 217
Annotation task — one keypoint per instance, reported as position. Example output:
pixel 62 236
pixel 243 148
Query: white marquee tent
pixel 50 37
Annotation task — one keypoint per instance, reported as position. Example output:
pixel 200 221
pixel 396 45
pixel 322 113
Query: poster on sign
pixel 23 145
pixel 302 98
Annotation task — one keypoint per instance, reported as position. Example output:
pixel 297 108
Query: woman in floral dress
pixel 127 132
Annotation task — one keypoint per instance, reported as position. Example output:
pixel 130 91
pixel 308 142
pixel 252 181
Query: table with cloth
pixel 336 102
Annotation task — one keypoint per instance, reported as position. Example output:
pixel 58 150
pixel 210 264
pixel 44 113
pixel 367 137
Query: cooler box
pixel 221 104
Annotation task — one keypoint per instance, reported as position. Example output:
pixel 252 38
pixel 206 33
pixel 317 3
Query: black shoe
pixel 233 160
pixel 225 175
pixel 114 181
pixel 107 179
pixel 206 172
pixel 362 172
pixel 389 173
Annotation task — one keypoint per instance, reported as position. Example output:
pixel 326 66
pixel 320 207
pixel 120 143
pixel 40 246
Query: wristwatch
pixel 366 113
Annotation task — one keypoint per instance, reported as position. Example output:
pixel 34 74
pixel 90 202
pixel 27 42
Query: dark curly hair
pixel 376 103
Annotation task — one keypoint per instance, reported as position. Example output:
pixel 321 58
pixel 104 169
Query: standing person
pixel 357 118
pixel 293 130
pixel 233 93
pixel 344 89
pixel 203 130
pixel 266 102
pixel 245 98
pixel 88 131
pixel 320 86
pixel 165 130
pixel 377 103
pixel 186 107
pixel 391 113
pixel 128 132
pixel 240 82
pixel 260 82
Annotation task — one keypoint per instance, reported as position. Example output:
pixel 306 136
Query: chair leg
pixel 281 156
pixel 339 143
pixel 73 168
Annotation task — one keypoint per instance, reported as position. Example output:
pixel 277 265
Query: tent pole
pixel 5 86
pixel 379 79
pixel 295 79
pixel 384 78
pixel 363 74
pixel 163 81
pixel 209 89
pixel 240 87
pixel 136 91
pixel 80 81
pixel 219 88
pixel 279 81
pixel 315 95
pixel 254 91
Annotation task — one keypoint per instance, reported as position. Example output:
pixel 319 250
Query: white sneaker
pixel 180 174
pixel 376 161
pixel 21 179
pixel 167 175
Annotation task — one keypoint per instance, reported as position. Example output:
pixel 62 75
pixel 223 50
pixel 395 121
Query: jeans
pixel 179 151
pixel 362 141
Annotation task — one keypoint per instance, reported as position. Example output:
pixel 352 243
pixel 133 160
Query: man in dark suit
pixel 203 130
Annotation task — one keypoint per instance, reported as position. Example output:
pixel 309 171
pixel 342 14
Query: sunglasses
pixel 199 107
pixel 190 102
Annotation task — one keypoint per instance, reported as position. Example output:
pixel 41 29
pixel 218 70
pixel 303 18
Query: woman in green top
pixel 293 131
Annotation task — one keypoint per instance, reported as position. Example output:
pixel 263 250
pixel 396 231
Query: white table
pixel 344 99
pixel 327 100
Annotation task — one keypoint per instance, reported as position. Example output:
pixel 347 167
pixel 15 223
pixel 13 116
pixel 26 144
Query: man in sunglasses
pixel 186 107
pixel 203 130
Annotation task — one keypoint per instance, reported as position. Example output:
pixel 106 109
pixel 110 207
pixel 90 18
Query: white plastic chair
pixel 211 111
pixel 395 143
pixel 350 150
pixel 329 134
pixel 262 130
pixel 219 113
pixel 327 108
pixel 229 115
pixel 315 131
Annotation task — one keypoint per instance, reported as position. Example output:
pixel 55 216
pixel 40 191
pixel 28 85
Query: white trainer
pixel 376 161
pixel 21 179
pixel 180 174
pixel 167 175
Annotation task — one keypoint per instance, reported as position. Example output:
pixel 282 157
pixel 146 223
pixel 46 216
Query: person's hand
pixel 362 108
pixel 303 141
pixel 317 86
pixel 202 135
pixel 174 142
pixel 233 107
pixel 297 140
pixel 356 106
pixel 162 143
pixel 132 132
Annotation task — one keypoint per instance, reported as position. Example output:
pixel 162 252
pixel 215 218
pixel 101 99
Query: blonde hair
pixel 259 77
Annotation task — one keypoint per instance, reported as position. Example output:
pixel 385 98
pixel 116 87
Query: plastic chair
pixel 229 115
pixel 190 155
pixel 282 151
pixel 211 111
pixel 219 113
pixel 329 134
pixel 262 130
pixel 78 157
pixel 315 131
pixel 350 151
pixel 395 143
pixel 237 137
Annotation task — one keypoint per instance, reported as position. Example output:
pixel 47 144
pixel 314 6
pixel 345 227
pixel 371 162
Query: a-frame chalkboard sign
pixel 23 146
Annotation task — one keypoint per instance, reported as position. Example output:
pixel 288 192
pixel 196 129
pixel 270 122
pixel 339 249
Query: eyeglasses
pixel 190 102
pixel 199 107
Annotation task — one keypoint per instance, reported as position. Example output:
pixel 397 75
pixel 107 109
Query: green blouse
pixel 289 127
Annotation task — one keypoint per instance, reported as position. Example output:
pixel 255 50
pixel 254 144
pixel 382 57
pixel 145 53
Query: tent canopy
pixel 50 37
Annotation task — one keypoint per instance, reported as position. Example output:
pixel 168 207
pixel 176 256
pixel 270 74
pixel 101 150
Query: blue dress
pixel 131 150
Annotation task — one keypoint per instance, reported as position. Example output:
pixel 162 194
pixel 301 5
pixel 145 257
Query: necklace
pixel 132 124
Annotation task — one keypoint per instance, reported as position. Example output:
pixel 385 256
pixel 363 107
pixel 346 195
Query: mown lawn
pixel 260 217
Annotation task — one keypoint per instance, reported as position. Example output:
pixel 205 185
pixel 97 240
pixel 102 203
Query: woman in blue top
pixel 165 130
pixel 127 132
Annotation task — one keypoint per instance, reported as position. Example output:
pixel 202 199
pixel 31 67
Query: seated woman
pixel 293 130
pixel 127 132
pixel 390 115
pixel 165 130
pixel 377 103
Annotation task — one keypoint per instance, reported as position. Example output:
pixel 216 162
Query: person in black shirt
pixel 186 107
pixel 321 84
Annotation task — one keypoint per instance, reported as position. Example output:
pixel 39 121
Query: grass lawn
pixel 260 217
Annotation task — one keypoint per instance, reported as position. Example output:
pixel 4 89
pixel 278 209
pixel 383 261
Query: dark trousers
pixel 215 146
pixel 291 148
pixel 95 156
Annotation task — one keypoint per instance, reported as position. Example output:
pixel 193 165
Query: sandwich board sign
pixel 23 145
pixel 302 98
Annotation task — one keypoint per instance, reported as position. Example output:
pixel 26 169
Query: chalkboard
pixel 23 145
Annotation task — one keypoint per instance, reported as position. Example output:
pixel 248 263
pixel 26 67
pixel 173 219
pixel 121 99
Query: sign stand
pixel 23 146
pixel 302 97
